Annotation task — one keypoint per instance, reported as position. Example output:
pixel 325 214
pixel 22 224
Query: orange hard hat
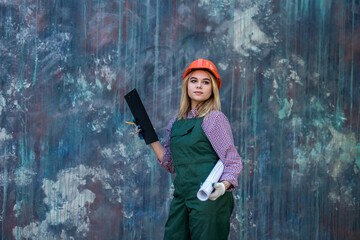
pixel 206 65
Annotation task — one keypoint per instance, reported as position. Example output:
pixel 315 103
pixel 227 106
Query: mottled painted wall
pixel 71 168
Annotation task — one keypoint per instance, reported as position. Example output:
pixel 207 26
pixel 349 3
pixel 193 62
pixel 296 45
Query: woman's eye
pixel 193 81
pixel 207 82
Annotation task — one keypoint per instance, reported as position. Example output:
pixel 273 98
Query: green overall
pixel 194 158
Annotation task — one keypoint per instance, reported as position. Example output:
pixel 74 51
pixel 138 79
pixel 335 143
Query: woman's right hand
pixel 139 131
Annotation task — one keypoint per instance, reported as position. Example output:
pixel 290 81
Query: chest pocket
pixel 184 136
pixel 178 132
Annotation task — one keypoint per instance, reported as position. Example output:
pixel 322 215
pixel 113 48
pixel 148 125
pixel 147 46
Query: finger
pixel 219 185
pixel 213 196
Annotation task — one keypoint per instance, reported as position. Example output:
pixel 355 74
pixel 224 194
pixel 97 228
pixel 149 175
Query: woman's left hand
pixel 219 191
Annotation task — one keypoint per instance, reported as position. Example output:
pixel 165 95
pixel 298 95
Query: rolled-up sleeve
pixel 217 128
pixel 166 162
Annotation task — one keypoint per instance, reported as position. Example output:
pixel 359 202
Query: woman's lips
pixel 198 93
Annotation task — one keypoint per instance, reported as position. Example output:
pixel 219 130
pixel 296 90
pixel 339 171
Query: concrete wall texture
pixel 70 168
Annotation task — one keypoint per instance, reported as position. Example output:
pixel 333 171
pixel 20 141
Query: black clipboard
pixel 141 117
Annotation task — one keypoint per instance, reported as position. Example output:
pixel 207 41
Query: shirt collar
pixel 193 113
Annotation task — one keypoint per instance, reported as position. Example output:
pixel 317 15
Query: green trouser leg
pixel 177 226
pixel 213 221
pixel 198 220
pixel 194 158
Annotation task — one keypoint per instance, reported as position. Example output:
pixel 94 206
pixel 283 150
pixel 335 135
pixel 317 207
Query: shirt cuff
pixel 230 179
pixel 166 164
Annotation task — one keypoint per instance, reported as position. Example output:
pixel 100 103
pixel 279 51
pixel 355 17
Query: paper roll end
pixel 202 196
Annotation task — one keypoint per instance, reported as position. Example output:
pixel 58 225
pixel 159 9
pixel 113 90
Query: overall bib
pixel 194 158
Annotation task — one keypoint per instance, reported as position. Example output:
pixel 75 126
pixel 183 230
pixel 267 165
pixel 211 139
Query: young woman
pixel 197 137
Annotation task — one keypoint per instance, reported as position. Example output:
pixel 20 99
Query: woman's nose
pixel 198 85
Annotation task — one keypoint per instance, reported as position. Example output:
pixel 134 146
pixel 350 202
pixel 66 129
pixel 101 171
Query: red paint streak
pixel 102 30
pixel 35 17
pixel 59 75
pixel 39 121
pixel 352 46
pixel 41 22
pixel 175 24
pixel 123 33
pixel 350 40
pixel 236 73
pixel 102 213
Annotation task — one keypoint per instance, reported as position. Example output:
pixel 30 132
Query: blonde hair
pixel 205 107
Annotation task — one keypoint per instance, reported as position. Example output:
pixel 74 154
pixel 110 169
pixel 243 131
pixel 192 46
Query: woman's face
pixel 199 87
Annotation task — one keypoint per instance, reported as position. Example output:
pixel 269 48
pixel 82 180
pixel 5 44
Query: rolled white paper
pixel 214 176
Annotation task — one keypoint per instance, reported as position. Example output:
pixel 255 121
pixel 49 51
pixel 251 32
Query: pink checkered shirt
pixel 217 129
